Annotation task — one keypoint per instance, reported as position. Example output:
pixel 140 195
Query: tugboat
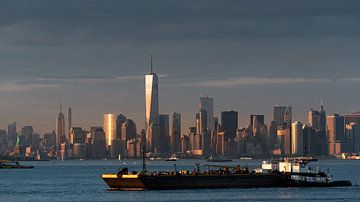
pixel 281 173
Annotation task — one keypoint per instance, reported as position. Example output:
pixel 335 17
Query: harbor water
pixel 75 180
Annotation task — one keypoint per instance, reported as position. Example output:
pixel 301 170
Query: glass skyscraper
pixel 152 110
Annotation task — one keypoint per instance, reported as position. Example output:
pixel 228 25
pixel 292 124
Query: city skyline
pixel 241 55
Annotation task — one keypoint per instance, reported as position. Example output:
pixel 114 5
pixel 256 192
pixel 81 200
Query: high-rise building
pixel 60 128
pixel 322 118
pixel 175 133
pixel 77 135
pixel 353 136
pixel 260 120
pixel 109 128
pixel 152 110
pixel 335 132
pixel 69 120
pixel 128 130
pixel 164 136
pixel 352 118
pixel 297 138
pixel 229 123
pixel 314 119
pixel 12 134
pixel 207 104
pixel 119 122
pixel 282 114
pixel 99 143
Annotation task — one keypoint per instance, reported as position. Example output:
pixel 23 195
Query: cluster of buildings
pixel 118 137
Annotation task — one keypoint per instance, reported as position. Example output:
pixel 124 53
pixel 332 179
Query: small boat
pixel 13 165
pixel 245 158
pixel 220 159
pixel 172 158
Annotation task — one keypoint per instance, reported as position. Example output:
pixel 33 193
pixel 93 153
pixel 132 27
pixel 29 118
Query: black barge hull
pixel 211 182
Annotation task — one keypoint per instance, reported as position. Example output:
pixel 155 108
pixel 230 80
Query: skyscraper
pixel 12 134
pixel 229 123
pixel 314 119
pixel 297 138
pixel 164 136
pixel 152 110
pixel 109 128
pixel 207 104
pixel 119 122
pixel 176 133
pixel 260 119
pixel 60 128
pixel 69 120
pixel 335 132
pixel 282 114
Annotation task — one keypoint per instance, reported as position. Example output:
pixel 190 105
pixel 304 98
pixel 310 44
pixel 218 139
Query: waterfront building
pixel 229 123
pixel 152 110
pixel 297 138
pixel 175 133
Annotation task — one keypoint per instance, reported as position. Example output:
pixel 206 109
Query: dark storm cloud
pixel 143 22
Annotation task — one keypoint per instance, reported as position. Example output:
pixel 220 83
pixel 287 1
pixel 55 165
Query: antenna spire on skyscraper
pixel 60 106
pixel 151 62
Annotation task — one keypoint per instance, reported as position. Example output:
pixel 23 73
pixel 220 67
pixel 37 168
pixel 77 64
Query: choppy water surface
pixel 80 181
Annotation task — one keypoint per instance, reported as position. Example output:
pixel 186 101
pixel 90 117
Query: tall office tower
pixel 197 123
pixel 203 121
pixel 260 120
pixel 164 136
pixel 207 104
pixel 353 136
pixel 175 133
pixel 335 132
pixel 282 114
pixel 229 123
pixel 314 119
pixel 60 128
pixel 152 110
pixel 352 118
pixel 77 142
pixel 119 121
pixel 284 139
pixel 322 119
pixel 99 143
pixel 128 130
pixel 297 138
pixel 109 129
pixel 77 135
pixel 69 120
pixel 12 134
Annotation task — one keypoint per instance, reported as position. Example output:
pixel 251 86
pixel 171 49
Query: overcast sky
pixel 247 54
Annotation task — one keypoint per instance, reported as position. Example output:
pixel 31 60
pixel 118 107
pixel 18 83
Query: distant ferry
pixel 282 173
pixel 12 165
